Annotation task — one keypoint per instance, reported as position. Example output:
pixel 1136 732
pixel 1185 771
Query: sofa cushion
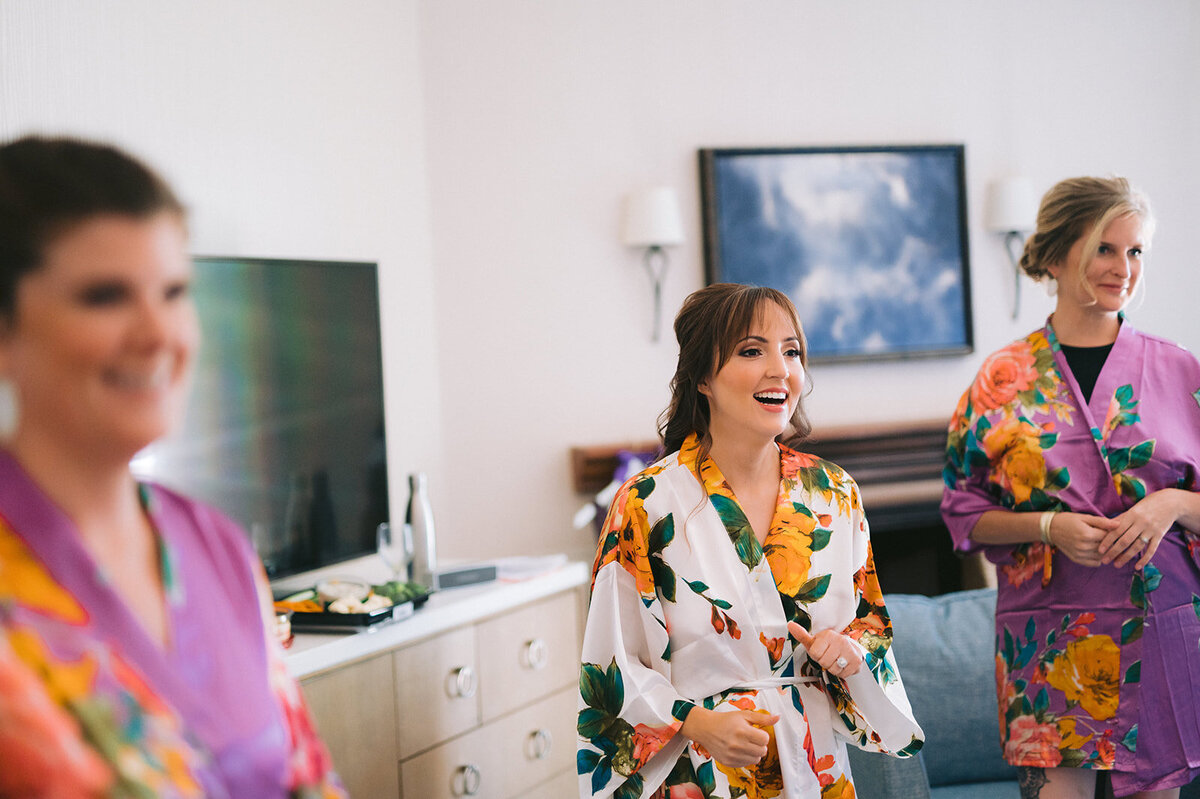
pixel 944 646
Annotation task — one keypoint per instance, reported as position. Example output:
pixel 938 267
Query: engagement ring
pixel 841 662
pixel 1145 540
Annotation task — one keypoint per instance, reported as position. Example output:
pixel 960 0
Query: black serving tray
pixel 326 621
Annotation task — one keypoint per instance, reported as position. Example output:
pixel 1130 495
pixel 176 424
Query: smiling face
pixel 1104 283
pixel 102 336
pixel 754 394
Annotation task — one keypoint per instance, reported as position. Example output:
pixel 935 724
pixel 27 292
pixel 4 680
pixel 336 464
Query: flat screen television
pixel 285 425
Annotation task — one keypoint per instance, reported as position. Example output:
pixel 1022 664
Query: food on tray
pixel 333 590
pixel 372 603
pixel 399 591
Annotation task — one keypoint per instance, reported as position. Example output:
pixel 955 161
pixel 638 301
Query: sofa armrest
pixel 886 777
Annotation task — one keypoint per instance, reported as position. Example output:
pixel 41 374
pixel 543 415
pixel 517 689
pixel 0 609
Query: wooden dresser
pixel 474 695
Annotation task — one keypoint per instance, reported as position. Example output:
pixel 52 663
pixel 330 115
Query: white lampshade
pixel 652 218
pixel 1011 205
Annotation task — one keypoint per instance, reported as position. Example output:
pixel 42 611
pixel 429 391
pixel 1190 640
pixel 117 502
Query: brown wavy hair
pixel 708 327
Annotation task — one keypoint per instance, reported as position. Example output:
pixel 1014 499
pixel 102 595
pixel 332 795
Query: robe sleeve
pixel 872 704
pixel 967 494
pixel 629 712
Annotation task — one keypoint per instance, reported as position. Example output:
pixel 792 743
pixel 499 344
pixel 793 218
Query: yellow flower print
pixel 1015 449
pixel 789 547
pixel 1088 672
pixel 25 579
pixel 763 780
pixel 65 682
pixel 1070 738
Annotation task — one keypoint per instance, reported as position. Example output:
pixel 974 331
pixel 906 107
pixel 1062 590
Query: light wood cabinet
pixel 354 708
pixel 482 707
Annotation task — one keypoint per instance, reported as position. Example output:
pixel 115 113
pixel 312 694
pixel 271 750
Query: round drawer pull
pixel 460 684
pixel 540 742
pixel 467 780
pixel 535 655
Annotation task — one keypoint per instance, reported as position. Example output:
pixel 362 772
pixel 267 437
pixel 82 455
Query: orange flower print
pixel 1004 375
pixel 774 647
pixel 634 546
pixel 1088 673
pixel 1106 750
pixel 1025 565
pixel 649 740
pixel 41 746
pixel 1032 743
pixel 841 788
pixel 1015 449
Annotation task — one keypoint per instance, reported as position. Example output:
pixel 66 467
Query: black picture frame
pixel 870 243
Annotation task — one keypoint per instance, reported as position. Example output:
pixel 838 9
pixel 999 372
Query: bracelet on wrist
pixel 1044 525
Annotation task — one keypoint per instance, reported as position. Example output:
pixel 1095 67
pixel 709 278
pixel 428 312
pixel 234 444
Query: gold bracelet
pixel 1044 526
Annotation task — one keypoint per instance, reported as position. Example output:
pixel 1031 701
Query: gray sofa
pixel 944 646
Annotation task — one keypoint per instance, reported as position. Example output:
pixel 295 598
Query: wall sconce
pixel 652 221
pixel 1011 209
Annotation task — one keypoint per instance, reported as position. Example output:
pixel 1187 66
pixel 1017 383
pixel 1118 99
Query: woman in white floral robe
pixel 691 608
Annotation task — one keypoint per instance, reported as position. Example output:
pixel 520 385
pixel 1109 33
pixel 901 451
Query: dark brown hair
pixel 708 327
pixel 48 185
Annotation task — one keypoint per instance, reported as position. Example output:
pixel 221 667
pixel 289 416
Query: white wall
pixel 541 115
pixel 478 150
pixel 290 128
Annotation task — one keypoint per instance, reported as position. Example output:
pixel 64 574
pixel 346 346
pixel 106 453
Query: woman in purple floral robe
pixel 1072 462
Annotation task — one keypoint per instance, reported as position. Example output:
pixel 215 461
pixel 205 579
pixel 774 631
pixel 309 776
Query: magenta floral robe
pixel 91 705
pixel 1096 667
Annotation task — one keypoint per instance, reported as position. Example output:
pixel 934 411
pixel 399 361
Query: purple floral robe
pixel 1096 667
pixel 90 704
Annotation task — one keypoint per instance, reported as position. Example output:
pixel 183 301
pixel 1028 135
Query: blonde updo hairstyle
pixel 1078 208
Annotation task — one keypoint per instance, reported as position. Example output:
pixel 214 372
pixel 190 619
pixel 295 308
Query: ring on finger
pixel 1144 539
pixel 841 662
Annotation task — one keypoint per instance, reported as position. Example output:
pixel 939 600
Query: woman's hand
pixel 1140 529
pixel 836 653
pixel 1080 536
pixel 734 738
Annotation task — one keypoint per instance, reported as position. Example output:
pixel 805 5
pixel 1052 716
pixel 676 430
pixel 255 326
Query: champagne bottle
pixel 419 518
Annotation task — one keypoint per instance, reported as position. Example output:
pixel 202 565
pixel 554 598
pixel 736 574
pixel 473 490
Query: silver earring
pixel 1051 287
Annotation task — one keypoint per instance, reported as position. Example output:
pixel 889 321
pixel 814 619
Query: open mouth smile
pixel 772 399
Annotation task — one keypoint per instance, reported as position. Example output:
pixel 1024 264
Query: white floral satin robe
pixel 689 609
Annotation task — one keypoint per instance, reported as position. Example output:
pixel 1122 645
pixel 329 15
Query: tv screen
pixel 285 426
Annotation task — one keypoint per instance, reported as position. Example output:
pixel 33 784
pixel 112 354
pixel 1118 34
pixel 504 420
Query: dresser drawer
pixel 526 654
pixel 536 743
pixel 437 690
pixel 500 760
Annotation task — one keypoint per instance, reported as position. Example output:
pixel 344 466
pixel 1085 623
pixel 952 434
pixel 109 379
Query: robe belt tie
pixel 774 682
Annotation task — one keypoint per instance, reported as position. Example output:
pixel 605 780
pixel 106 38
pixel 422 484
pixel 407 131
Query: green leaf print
pixel 912 748
pixel 1130 487
pixel 586 760
pixel 696 585
pixel 820 538
pixel 664 577
pixel 1041 704
pixel 1137 592
pixel 1141 454
pixel 707 778
pixel 1131 630
pixel 1124 395
pixel 1118 460
pixel 1196 605
pixel 1058 478
pixel 1130 739
pixel 630 789
pixel 738 526
pixel 1047 440
pixel 1153 576
pixel 1134 673
pixel 661 534
pixel 814 589
pixel 591 723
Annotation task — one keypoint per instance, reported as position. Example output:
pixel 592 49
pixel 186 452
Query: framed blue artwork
pixel 869 242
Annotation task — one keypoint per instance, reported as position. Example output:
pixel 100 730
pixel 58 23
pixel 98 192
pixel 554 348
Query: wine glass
pixel 394 546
